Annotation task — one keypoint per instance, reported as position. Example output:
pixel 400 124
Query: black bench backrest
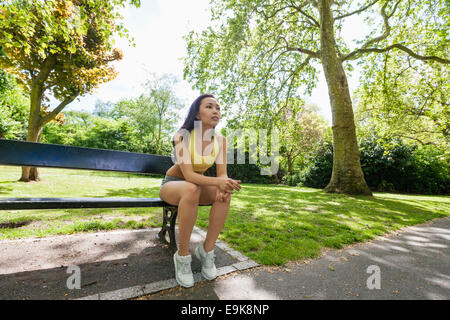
pixel 31 154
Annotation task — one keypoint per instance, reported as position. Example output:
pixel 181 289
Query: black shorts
pixel 170 178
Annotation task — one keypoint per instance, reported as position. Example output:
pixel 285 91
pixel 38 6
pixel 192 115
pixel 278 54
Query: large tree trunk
pixel 347 176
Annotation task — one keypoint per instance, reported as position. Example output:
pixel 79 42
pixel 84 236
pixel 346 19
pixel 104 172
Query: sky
pixel 158 27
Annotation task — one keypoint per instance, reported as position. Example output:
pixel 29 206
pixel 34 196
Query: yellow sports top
pixel 201 163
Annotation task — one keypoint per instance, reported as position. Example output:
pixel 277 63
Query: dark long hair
pixel 193 110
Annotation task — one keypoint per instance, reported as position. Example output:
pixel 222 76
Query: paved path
pixel 413 264
pixel 112 265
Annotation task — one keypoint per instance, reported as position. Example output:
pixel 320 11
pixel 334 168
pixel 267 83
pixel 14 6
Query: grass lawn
pixel 270 224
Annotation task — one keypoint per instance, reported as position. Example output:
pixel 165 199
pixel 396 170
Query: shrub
pixel 390 166
pixel 247 173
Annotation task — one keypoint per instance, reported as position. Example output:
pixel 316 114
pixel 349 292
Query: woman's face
pixel 209 112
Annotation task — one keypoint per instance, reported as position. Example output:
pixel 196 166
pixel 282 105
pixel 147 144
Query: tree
pixel 300 129
pixel 404 98
pixel 154 113
pixel 260 52
pixel 165 101
pixel 59 48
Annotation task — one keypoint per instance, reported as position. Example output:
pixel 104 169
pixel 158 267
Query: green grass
pixel 270 224
pixel 76 183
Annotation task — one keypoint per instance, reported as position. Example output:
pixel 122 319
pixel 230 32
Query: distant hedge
pixel 399 168
pixel 247 173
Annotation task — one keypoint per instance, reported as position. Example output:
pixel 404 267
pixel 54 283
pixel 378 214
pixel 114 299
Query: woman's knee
pixel 191 192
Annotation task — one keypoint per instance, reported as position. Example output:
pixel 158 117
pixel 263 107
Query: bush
pixel 292 180
pixel 390 166
pixel 14 106
pixel 318 174
pixel 247 173
pixel 431 174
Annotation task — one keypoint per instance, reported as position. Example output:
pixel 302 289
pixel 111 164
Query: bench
pixel 31 154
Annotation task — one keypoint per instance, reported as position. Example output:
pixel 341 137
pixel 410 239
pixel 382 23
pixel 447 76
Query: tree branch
pixel 312 54
pixel 416 139
pixel 49 117
pixel 387 31
pixel 267 17
pixel 387 27
pixel 356 11
pixel 298 69
pixel 312 21
pixel 357 53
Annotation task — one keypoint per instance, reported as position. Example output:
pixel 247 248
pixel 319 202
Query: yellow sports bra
pixel 201 163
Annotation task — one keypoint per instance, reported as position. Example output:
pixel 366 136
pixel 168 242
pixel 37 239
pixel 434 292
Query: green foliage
pixel 143 124
pixel 13 108
pixel 58 48
pixel 293 179
pixel 389 166
pixel 102 133
pixel 257 53
pixel 72 39
pixel 242 57
pixel 405 168
pixel 246 172
pixel 401 96
pixel 318 174
pixel 300 130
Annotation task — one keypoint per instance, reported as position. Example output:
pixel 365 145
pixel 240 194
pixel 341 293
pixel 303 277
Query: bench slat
pixel 77 203
pixel 21 153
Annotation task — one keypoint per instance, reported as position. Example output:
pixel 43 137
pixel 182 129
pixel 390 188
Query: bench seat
pixel 77 203
pixel 32 154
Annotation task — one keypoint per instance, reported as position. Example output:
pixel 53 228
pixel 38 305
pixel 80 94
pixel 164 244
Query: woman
pixel 185 185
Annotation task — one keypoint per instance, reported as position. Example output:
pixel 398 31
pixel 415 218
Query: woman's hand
pixel 223 196
pixel 227 184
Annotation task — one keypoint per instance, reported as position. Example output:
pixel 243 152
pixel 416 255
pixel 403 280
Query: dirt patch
pixel 14 225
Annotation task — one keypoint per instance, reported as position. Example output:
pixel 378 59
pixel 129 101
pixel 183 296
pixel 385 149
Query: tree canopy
pixel 59 48
pixel 259 52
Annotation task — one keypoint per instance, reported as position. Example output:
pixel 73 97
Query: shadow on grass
pixel 148 192
pixel 273 225
pixel 5 190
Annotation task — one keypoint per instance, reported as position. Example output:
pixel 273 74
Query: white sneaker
pixel 209 270
pixel 183 271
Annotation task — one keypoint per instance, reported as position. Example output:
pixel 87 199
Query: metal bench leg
pixel 169 220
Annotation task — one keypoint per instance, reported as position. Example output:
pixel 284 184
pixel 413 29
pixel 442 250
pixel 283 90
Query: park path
pixel 413 263
pixel 109 265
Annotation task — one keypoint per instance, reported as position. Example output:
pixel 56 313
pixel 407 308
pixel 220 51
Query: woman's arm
pixel 221 169
pixel 221 162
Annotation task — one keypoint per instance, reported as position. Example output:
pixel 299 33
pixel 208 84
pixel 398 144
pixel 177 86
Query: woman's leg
pixel 186 196
pixel 217 216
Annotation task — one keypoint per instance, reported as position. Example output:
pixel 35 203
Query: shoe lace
pixel 185 267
